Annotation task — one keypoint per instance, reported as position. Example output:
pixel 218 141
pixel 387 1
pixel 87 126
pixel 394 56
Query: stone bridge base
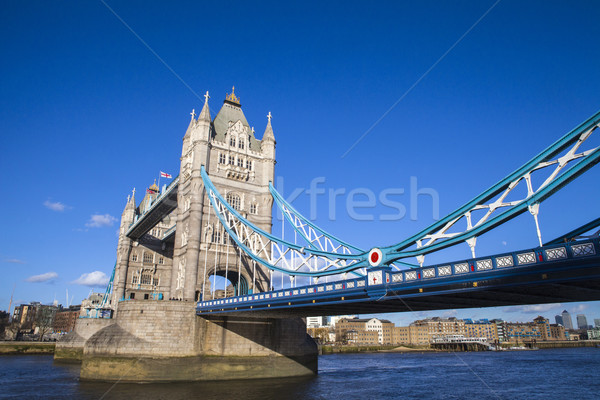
pixel 70 346
pixel 151 341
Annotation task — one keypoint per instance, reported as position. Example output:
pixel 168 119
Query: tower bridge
pixel 214 219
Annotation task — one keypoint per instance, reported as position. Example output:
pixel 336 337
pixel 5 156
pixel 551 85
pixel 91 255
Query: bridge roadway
pixel 551 274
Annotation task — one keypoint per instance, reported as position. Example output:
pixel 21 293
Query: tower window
pixel 232 142
pixel 231 159
pixel 148 257
pixel 134 257
pixel 241 143
pixel 252 208
pixel 146 278
pixel 216 236
pixel 240 163
pixel 161 260
pixel 234 200
pixel 222 158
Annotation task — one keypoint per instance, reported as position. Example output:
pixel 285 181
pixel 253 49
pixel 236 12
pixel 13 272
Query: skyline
pixel 89 112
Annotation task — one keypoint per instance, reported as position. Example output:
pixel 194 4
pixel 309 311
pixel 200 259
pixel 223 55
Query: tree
pixel 12 330
pixel 3 323
pixel 44 318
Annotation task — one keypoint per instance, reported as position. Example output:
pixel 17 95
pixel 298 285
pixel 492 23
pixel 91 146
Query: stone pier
pixel 153 341
pixel 70 346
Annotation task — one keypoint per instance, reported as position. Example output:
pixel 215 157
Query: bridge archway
pixel 228 284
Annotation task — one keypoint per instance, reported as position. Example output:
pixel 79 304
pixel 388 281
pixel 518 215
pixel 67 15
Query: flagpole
pixel 159 175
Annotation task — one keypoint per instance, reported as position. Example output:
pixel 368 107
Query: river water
pixel 545 374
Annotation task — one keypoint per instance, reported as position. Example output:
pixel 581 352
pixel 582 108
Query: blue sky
pixel 88 112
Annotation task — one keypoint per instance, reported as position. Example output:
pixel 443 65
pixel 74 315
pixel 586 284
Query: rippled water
pixel 544 374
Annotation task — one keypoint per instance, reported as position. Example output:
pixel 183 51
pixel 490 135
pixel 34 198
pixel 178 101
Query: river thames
pixel 543 374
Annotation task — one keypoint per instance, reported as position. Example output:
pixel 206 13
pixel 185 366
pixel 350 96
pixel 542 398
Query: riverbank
pixel 565 344
pixel 329 349
pixel 15 348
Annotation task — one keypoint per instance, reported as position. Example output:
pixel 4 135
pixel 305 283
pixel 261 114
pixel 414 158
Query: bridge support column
pixel 167 341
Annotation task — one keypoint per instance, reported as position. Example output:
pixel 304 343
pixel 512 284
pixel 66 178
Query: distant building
pixel 316 322
pixel 525 332
pixel 593 334
pixel 64 320
pixel 558 332
pixel 481 329
pixel 597 322
pixel 550 331
pixel 364 331
pixel 24 315
pixel 558 319
pixel 333 320
pixel 90 307
pixel 581 321
pixel 567 322
pixel 422 332
pixel 34 318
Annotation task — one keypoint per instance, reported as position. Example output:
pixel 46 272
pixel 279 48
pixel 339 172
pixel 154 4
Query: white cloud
pixel 55 206
pixel 504 243
pixel 99 220
pixel 93 279
pixel 532 308
pixel 14 261
pixel 579 308
pixel 48 276
pixel 449 313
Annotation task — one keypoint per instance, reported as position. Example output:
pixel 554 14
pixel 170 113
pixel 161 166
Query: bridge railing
pixel 352 289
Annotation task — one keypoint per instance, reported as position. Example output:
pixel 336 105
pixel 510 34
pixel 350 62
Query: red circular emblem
pixel 375 257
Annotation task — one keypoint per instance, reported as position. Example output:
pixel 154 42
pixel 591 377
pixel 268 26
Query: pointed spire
pixel 205 113
pixel 130 201
pixel 269 130
pixel 192 122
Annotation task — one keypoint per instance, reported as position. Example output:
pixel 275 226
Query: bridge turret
pixel 267 147
pixel 201 130
pixel 123 251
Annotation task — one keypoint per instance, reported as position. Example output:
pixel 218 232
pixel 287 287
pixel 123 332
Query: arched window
pixel 233 200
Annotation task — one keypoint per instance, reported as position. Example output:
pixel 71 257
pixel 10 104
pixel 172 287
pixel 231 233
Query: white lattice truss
pixel 279 255
pixel 315 239
pixel 493 208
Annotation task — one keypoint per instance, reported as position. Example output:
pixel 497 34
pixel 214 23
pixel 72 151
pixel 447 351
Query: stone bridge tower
pixel 241 168
pixel 168 247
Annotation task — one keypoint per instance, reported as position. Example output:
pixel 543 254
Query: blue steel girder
pixel 313 236
pixel 576 233
pixel 436 236
pixel 274 253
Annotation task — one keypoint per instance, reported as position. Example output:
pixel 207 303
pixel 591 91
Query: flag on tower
pixel 165 175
